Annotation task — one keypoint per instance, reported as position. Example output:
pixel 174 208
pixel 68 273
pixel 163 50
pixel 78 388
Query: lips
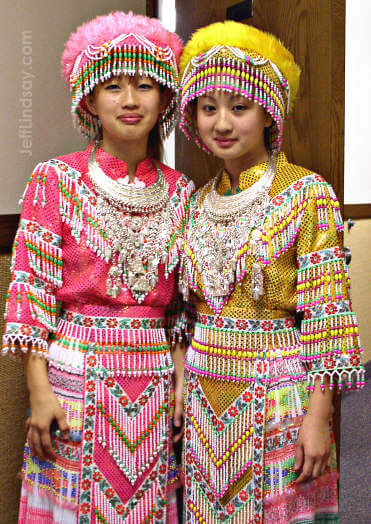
pixel 130 119
pixel 225 142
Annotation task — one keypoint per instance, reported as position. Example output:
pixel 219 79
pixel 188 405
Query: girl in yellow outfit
pixel 263 243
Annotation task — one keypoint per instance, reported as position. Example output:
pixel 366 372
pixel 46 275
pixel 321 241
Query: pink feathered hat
pixel 114 44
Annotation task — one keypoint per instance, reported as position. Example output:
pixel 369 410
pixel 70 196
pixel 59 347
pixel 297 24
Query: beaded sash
pixel 132 346
pixel 236 349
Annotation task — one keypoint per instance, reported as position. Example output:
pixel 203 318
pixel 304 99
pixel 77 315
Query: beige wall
pixel 359 242
pixel 33 33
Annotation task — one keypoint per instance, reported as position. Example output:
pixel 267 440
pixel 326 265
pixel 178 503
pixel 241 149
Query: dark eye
pixel 144 86
pixel 112 87
pixel 238 108
pixel 208 108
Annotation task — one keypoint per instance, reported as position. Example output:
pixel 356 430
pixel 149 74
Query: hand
pixel 179 410
pixel 313 448
pixel 44 408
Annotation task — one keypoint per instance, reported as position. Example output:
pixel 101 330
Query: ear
pixel 268 120
pixel 90 104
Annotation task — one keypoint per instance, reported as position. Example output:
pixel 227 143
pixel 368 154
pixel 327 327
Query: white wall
pixel 167 16
pixel 32 38
pixel 357 175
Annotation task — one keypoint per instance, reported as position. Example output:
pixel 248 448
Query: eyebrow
pixel 233 97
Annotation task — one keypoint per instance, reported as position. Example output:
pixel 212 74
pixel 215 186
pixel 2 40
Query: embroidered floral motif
pixel 319 257
pixel 38 231
pixel 110 322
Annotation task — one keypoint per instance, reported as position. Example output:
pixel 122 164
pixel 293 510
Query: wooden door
pixel 314 30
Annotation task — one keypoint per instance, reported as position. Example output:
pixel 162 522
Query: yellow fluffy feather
pixel 244 37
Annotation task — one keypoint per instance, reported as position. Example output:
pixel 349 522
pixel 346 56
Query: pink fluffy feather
pixel 104 28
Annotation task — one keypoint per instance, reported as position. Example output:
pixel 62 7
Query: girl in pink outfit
pixel 99 232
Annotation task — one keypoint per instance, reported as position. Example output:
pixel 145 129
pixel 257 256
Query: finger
pixel 299 457
pixel 306 474
pixel 46 443
pixel 27 424
pixel 303 477
pixel 179 435
pixel 35 438
pixel 178 414
pixel 30 442
pixel 326 463
pixel 63 425
pixel 317 469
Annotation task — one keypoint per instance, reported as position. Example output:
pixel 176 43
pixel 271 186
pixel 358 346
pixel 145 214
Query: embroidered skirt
pixel 113 378
pixel 246 395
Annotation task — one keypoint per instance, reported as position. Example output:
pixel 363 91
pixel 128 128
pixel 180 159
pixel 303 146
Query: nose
pixel 222 124
pixel 128 98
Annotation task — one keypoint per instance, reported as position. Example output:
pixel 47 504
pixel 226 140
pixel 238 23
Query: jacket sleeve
pixel 36 267
pixel 329 331
pixel 179 314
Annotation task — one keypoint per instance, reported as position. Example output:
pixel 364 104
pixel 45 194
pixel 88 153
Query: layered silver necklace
pixel 138 224
pixel 223 225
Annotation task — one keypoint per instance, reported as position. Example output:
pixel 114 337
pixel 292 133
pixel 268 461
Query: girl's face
pixel 128 108
pixel 232 126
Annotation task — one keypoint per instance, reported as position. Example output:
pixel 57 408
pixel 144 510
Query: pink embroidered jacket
pixel 59 250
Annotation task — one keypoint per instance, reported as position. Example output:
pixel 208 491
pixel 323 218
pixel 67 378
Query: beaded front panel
pixel 125 444
pixel 117 394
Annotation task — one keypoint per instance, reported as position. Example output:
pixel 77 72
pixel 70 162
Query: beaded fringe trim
pixel 238 349
pixel 322 278
pixel 35 295
pixel 109 432
pixel 43 249
pixel 131 352
pixel 12 343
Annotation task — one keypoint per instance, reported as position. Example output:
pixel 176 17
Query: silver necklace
pixel 138 224
pixel 222 226
pixel 128 197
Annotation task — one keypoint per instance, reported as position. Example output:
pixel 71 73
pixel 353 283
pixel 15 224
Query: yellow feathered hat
pixel 238 58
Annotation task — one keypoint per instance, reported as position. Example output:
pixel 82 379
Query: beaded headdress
pixel 238 58
pixel 114 44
